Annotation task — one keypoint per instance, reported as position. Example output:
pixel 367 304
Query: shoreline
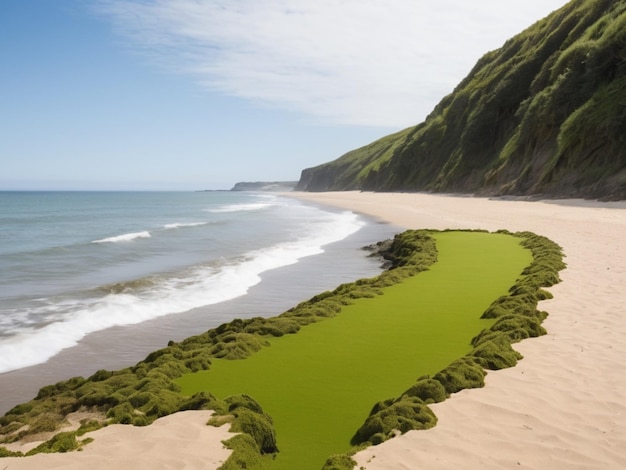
pixel 564 404
pixel 123 346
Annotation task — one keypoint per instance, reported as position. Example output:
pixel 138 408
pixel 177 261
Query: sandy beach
pixel 178 441
pixel 562 407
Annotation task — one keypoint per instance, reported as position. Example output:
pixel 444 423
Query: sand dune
pixel 562 407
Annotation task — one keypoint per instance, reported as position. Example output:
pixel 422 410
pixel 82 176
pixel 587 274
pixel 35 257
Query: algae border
pixel 140 394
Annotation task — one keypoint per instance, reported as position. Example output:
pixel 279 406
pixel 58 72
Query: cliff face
pixel 544 114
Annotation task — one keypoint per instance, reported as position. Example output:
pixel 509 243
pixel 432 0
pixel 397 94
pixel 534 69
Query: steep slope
pixel 544 114
pixel 350 170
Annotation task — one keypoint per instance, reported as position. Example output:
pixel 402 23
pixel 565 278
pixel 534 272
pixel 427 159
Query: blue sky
pixel 192 94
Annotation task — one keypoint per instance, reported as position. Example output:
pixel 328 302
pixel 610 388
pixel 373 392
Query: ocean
pixel 92 280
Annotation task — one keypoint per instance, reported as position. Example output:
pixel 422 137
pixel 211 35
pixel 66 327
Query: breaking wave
pixel 126 237
pixel 62 322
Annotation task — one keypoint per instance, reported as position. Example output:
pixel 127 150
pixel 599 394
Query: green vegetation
pixel 544 114
pixel 364 163
pixel 320 385
pixel 140 394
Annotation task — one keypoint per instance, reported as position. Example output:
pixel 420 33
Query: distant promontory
pixel 265 186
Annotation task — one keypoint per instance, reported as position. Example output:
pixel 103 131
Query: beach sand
pixel 178 441
pixel 562 407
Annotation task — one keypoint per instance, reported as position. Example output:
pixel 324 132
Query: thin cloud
pixel 373 63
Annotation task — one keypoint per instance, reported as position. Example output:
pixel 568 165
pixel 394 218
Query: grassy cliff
pixel 544 114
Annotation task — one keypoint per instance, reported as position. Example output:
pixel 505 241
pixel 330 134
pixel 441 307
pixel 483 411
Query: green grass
pixel 542 115
pixel 320 384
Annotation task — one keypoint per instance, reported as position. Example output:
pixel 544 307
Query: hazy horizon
pixel 187 95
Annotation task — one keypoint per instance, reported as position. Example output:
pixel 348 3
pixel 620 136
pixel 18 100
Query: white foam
pixel 181 225
pixel 255 206
pixel 126 237
pixel 197 287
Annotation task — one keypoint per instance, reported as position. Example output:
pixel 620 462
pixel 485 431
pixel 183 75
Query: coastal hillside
pixel 543 115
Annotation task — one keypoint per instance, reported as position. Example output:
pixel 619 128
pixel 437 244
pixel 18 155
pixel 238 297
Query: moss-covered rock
pixel 238 346
pixel 387 418
pixel 339 462
pixel 245 454
pixel 496 353
pixel 464 373
pixel 249 418
pixel 428 390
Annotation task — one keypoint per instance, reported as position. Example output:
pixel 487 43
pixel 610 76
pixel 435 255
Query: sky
pixel 201 94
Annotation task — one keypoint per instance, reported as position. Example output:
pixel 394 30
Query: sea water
pixel 76 263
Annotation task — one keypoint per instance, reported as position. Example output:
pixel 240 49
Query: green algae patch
pixel 311 416
pixel 319 385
